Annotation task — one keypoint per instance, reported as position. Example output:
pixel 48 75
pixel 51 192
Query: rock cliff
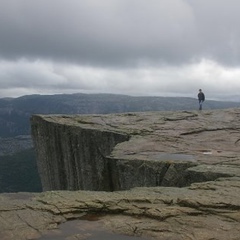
pixel 122 151
pixel 158 175
pixel 71 152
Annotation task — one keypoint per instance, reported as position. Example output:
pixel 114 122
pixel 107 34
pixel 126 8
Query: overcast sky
pixel 133 47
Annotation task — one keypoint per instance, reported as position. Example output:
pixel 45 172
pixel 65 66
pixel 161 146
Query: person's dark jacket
pixel 201 96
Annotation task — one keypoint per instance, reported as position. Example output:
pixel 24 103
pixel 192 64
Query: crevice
pixel 160 176
pixel 28 224
pixel 207 130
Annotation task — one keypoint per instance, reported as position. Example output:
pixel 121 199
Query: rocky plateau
pixel 149 175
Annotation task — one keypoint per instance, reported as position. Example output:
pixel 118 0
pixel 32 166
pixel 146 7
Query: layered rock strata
pixel 185 167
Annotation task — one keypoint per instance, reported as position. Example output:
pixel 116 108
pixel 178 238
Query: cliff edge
pixel 121 151
pixel 157 175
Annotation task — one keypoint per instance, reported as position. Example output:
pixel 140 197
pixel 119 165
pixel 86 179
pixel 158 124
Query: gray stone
pixel 158 175
pixel 122 151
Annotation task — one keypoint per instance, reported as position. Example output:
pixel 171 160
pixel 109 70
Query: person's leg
pixel 200 105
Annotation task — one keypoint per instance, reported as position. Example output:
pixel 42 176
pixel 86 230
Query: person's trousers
pixel 200 105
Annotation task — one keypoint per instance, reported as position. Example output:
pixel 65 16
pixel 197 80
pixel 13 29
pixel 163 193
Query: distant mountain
pixel 16 112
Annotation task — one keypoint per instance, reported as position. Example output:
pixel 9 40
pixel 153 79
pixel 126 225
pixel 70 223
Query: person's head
pixel 200 90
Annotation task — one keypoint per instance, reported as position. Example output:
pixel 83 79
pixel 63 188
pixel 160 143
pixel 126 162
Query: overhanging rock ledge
pixel 121 151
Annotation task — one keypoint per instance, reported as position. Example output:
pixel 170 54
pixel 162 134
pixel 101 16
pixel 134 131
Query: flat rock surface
pixel 201 211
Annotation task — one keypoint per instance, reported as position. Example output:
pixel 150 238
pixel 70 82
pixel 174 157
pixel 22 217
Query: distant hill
pixel 16 112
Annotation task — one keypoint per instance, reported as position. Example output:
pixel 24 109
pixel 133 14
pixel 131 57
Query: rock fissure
pixel 49 207
pixel 28 224
pixel 201 206
pixel 209 130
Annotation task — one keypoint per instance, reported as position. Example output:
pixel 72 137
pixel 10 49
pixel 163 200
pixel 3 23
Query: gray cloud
pixel 138 47
pixel 120 32
pixel 29 77
pixel 103 33
pixel 216 22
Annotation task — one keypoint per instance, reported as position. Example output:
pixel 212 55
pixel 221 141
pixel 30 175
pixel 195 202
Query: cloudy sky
pixel 133 47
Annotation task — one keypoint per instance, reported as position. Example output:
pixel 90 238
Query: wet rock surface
pixel 184 167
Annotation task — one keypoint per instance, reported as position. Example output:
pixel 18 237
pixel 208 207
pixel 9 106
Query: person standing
pixel 201 98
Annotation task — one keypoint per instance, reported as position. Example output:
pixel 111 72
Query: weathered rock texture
pixel 72 152
pixel 185 167
pixel 122 151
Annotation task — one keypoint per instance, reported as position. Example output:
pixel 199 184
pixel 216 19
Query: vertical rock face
pixel 125 174
pixel 71 157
